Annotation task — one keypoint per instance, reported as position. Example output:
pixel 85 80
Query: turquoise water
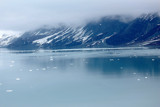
pixel 108 77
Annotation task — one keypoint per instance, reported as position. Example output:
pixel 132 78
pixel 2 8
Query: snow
pixel 79 34
pixel 7 36
pixel 149 42
pixel 103 40
pixel 45 39
pixel 99 34
pixel 85 38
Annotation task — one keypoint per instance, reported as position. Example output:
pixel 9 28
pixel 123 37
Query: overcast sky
pixel 29 14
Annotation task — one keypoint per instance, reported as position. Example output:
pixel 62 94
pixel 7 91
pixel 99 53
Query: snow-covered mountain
pixel 107 32
pixel 7 37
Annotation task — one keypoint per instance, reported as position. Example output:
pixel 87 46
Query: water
pixel 122 77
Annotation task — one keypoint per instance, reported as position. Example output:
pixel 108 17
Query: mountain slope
pixel 8 37
pixel 107 32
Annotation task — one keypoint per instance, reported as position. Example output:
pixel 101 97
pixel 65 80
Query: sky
pixel 21 15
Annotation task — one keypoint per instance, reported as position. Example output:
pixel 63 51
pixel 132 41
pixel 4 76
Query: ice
pixel 145 77
pixel 51 59
pixel 9 91
pixel 134 73
pixel 18 79
pixel 111 59
pixel 138 79
pixel 12 61
pixel 10 65
pixel 30 70
pixel 121 67
pixel 55 67
pixel 43 69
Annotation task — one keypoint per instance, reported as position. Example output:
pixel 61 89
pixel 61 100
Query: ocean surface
pixel 105 77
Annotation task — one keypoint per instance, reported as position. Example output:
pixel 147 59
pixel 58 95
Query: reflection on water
pixel 122 77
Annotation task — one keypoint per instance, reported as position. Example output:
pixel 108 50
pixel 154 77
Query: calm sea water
pixel 121 77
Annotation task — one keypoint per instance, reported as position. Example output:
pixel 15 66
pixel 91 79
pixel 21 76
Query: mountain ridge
pixel 107 32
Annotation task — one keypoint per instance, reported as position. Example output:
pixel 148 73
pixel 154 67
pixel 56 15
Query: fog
pixel 23 15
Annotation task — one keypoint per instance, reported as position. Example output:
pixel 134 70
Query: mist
pixel 25 15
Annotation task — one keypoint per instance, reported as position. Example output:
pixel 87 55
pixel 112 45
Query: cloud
pixel 29 14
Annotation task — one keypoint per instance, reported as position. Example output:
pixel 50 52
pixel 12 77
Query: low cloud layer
pixel 28 14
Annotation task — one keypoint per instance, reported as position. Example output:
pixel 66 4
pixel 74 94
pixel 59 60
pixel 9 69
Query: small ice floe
pixel 18 79
pixel 111 59
pixel 71 64
pixel 118 59
pixel 9 91
pixel 54 67
pixel 134 73
pixel 37 69
pixel 12 62
pixel 153 59
pixel 10 65
pixel 121 67
pixel 43 69
pixel 138 79
pixel 51 59
pixel 145 77
pixel 1 84
pixel 135 56
pixel 30 70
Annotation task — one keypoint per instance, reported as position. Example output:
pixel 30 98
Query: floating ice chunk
pixel 145 77
pixel 153 59
pixel 9 91
pixel 55 67
pixel 51 59
pixel 10 65
pixel 134 73
pixel 1 84
pixel 43 69
pixel 111 59
pixel 118 59
pixel 37 69
pixel 12 61
pixel 121 67
pixel 18 79
pixel 138 79
pixel 30 70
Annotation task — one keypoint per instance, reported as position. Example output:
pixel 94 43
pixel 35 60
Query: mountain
pixel 107 32
pixel 8 37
